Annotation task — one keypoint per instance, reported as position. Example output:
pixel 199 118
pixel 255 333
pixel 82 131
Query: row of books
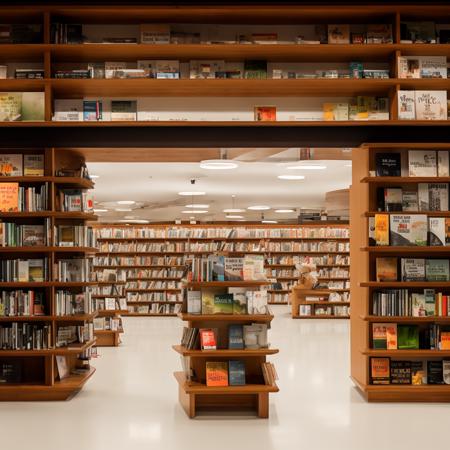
pixel 282 273
pixel 393 336
pixel 234 301
pixel 73 270
pixel 16 198
pixel 74 236
pixel 18 165
pixel 113 289
pixel 25 336
pixel 359 108
pixel 155 308
pixel 24 270
pixel 139 261
pixel 321 310
pixel 150 274
pixel 21 33
pixel 417 373
pixel 402 302
pixel 409 230
pixel 108 275
pixel 71 303
pixel 332 297
pixel 325 260
pixel 222 268
pixel 23 73
pixel 22 303
pixel 22 106
pixel 18 235
pixel 76 200
pixel 108 324
pixel 278 298
pixel 110 304
pixel 74 335
pixel 411 269
pixel 153 285
pixel 168 297
pixel 226 233
pixel 333 273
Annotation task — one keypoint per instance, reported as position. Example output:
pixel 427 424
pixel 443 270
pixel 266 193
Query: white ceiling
pixel 156 185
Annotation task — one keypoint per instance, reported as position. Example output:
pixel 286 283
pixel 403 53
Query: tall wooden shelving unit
pixel 364 284
pixel 269 255
pixel 39 374
pixel 196 396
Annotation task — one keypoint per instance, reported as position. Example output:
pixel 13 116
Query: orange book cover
pixel 216 374
pixel 380 370
pixel 382 229
pixel 9 197
pixel 445 340
pixel 391 336
pixel 265 113
pixel 208 339
pixel 386 269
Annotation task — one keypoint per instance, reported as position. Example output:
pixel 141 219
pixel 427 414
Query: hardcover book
pixel 418 374
pixel 380 370
pixel 223 304
pixel 436 231
pixel 408 337
pixel 413 269
pixel 431 105
pixel 194 302
pixel 236 371
pixel 11 165
pixel 208 340
pixel 386 269
pixel 430 302
pixel 382 229
pixel 239 299
pixel 437 269
pixel 422 163
pixel 410 201
pixel 393 199
pixel 443 163
pixel 216 373
pixel 234 269
pixel 435 374
pixel 33 165
pixel 379 336
pixel 407 230
pixel 418 304
pixel 433 196
pixel 235 337
pixel 406 105
pixel 388 164
pixel 400 372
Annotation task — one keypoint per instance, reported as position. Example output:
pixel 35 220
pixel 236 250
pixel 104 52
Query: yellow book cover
pixel 328 111
pixel 382 229
pixel 9 197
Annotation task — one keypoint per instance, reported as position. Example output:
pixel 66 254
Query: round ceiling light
pixel 285 210
pixel 306 167
pixel 197 205
pixel 195 211
pixel 218 164
pixel 291 177
pixel 258 207
pixel 233 210
pixel 126 202
pixel 191 193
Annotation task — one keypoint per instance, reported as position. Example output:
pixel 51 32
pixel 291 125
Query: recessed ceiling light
pixel 234 217
pixel 306 167
pixel 233 210
pixel 197 205
pixel 218 164
pixel 93 177
pixel 269 221
pixel 123 209
pixel 258 207
pixel 284 210
pixel 126 202
pixel 100 210
pixel 195 211
pixel 291 177
pixel 192 193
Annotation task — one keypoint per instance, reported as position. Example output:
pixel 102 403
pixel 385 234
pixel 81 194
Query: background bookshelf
pixel 168 248
pixel 316 303
pixel 365 204
pixel 287 37
pixel 252 393
pixel 48 297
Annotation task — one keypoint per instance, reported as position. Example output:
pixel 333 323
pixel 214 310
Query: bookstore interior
pixel 224 219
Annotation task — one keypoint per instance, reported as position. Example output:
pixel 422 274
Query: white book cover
pixel 423 197
pixel 438 196
pixel 68 110
pixel 111 67
pixel 194 302
pixel 433 66
pixel 406 230
pixel 413 269
pixel 406 105
pixel 436 231
pixel 422 163
pixel 23 271
pixel 443 163
pixel 431 105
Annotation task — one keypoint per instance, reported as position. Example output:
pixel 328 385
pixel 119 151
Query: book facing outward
pixel 223 304
pixel 436 231
pixel 382 229
pixel 194 302
pixel 384 336
pixel 236 337
pixel 388 164
pixel 400 372
pixel 393 199
pixel 208 339
pixel 216 374
pixel 9 197
pixel 407 230
pixel 380 370
pixel 413 269
pixel 236 373
pixel 433 196
pixel 422 163
pixel 386 269
pixel 11 165
pixel 33 165
pixel 437 269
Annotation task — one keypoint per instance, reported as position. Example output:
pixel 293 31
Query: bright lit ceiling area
pixel 253 185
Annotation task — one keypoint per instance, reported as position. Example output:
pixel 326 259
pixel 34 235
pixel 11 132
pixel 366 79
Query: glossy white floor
pixel 131 403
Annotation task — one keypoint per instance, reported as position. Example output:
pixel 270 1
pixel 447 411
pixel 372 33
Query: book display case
pixel 164 252
pixel 71 38
pixel 46 312
pixel 252 392
pixel 399 325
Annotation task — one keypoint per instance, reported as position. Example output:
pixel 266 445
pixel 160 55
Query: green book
pixel 223 304
pixel 408 337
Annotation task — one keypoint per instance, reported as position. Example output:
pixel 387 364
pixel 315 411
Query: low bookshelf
pixel 45 292
pixel 230 372
pixel 320 303
pixel 153 257
pixel 400 253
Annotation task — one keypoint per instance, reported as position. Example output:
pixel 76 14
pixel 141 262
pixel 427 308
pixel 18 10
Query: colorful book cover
pixel 406 230
pixel 33 165
pixel 235 336
pixel 380 372
pixel 445 340
pixel 379 336
pixel 208 339
pixel 216 374
pixel 430 302
pixel 386 269
pixel 418 375
pixel 218 267
pixel 400 372
pixel 223 304
pixel 208 301
pixel 265 113
pixel 391 336
pixel 236 370
pixel 239 299
pixel 418 304
pixel 11 165
pixel 382 229
pixel 9 197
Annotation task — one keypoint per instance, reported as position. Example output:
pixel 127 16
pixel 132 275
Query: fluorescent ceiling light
pixel 234 217
pixel 233 210
pixel 123 209
pixel 284 210
pixel 93 177
pixel 269 221
pixel 192 193
pixel 258 207
pixel 197 205
pixel 218 164
pixel 291 177
pixel 100 210
pixel 306 167
pixel 195 211
pixel 126 202
pixel 134 221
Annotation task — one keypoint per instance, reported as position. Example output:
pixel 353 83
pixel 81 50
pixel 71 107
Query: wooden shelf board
pixel 111 312
pixel 404 180
pixel 128 314
pixel 82 183
pixel 316 291
pixel 26 318
pixel 407 249
pixel 428 213
pixel 42 284
pixel 327 303
pixel 324 316
pixel 147 302
pixel 154 290
pixel 44 249
pixel 225 317
pixel 108 296
pixel 406 284
pixel 408 353
pixel 107 332
pixel 155 279
pixel 110 283
pixel 196 388
pixel 224 352
pixel 200 284
pixel 277 303
pixel 21 353
pixel 55 214
pixel 403 319
pixel 74 350
pixel 77 317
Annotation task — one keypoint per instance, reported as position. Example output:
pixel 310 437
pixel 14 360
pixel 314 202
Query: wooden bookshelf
pixel 160 234
pixel 194 394
pixel 37 370
pixel 299 297
pixel 363 275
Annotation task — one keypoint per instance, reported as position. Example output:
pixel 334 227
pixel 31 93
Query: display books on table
pixel 388 164
pixel 406 230
pixel 422 67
